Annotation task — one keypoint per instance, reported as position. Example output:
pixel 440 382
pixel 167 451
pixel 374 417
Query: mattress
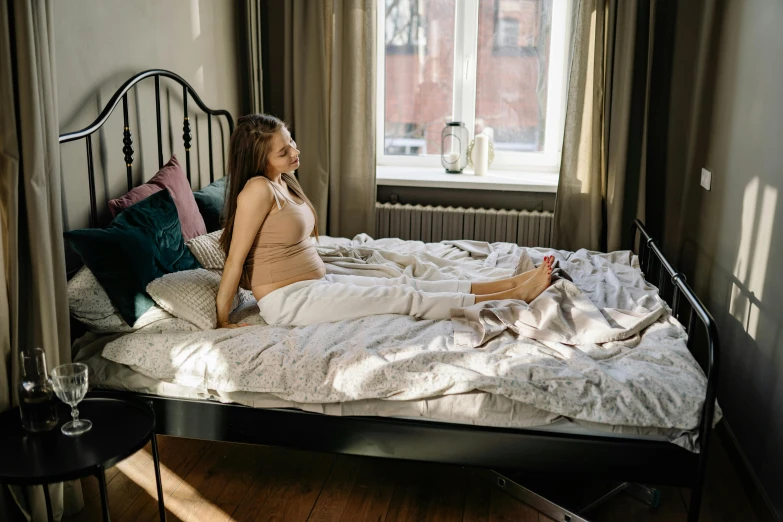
pixel 474 408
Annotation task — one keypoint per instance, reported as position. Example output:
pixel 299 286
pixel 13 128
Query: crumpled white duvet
pixel 616 304
pixel 647 379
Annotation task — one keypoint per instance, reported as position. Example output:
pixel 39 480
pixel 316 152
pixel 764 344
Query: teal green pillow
pixel 210 203
pixel 142 243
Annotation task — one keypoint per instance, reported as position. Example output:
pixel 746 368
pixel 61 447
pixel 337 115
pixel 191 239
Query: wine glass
pixel 70 384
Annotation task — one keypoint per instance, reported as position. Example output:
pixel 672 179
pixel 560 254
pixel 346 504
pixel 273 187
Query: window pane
pixel 513 63
pixel 419 39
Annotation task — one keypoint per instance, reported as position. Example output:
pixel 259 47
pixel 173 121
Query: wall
pixel 732 236
pixel 101 43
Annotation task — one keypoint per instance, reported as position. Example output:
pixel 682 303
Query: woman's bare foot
pixel 493 287
pixel 522 278
pixel 535 284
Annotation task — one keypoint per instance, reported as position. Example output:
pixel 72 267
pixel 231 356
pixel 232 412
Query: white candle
pixel 453 158
pixel 481 155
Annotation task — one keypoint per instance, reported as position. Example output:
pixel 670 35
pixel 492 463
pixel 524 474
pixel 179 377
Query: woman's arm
pixel 253 205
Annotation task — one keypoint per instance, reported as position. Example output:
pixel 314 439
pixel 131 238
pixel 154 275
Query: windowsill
pixel 435 177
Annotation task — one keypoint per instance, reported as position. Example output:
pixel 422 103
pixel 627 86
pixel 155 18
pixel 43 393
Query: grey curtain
pixel 602 174
pixel 330 102
pixel 255 73
pixel 9 188
pixel 9 289
pixel 33 300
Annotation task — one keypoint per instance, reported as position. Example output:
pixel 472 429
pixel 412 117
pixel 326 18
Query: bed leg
pixel 695 507
pixel 646 494
pixel 642 493
pixel 604 498
pixel 534 500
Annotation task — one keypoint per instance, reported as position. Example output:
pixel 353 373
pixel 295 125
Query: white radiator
pixel 433 224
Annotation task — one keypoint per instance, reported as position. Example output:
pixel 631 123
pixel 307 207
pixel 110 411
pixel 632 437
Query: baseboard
pixel 758 498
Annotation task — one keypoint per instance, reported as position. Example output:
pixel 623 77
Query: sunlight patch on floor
pixel 188 504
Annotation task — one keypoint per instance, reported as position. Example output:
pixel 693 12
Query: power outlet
pixel 706 179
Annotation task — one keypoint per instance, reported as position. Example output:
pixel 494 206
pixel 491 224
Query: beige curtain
pixel 308 29
pixel 352 119
pixel 33 303
pixel 601 187
pixel 330 102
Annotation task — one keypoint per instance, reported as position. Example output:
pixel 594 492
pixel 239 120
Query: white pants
pixel 338 297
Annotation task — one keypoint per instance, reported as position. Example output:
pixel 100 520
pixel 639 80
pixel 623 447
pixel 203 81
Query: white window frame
pixel 464 91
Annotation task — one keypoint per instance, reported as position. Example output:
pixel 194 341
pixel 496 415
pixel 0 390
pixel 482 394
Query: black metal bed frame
pixel 525 450
pixel 127 137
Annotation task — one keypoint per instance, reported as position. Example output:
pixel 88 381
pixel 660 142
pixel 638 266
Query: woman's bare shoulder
pixel 255 191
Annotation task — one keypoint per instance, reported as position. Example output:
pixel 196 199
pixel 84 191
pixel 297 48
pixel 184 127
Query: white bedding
pixel 474 408
pixel 646 382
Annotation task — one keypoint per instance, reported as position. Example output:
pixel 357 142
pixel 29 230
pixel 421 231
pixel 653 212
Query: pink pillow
pixel 172 178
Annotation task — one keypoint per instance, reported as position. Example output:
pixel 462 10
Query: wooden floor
pixel 212 481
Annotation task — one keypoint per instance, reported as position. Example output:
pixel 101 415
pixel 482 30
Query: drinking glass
pixel 70 384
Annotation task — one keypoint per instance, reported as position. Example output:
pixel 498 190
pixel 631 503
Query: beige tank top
pixel 282 248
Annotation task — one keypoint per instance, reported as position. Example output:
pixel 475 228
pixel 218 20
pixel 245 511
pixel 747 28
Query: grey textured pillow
pixel 206 249
pixel 89 303
pixel 191 295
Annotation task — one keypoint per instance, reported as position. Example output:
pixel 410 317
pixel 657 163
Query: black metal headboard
pixel 127 140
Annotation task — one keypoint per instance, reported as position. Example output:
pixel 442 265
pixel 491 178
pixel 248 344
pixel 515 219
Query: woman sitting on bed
pixel 269 222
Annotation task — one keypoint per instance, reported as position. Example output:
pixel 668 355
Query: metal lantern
pixel 454 147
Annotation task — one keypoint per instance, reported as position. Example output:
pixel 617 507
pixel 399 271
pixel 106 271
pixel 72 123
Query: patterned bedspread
pixel 643 377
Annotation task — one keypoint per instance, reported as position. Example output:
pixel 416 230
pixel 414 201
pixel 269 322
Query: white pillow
pixel 89 303
pixel 191 295
pixel 206 249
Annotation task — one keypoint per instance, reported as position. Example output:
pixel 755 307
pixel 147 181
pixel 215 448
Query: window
pixel 507 34
pixel 499 66
pixel 521 27
pixel 404 30
pixel 405 139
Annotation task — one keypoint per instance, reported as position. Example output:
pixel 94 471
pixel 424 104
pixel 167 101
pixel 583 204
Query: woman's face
pixel 283 154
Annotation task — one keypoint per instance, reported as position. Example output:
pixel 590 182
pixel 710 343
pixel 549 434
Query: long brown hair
pixel 247 158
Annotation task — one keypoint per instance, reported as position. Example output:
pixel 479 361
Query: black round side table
pixel 120 428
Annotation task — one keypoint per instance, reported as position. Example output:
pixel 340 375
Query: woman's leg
pixel 461 286
pixel 310 302
pixel 502 285
pixel 534 285
pixel 451 285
